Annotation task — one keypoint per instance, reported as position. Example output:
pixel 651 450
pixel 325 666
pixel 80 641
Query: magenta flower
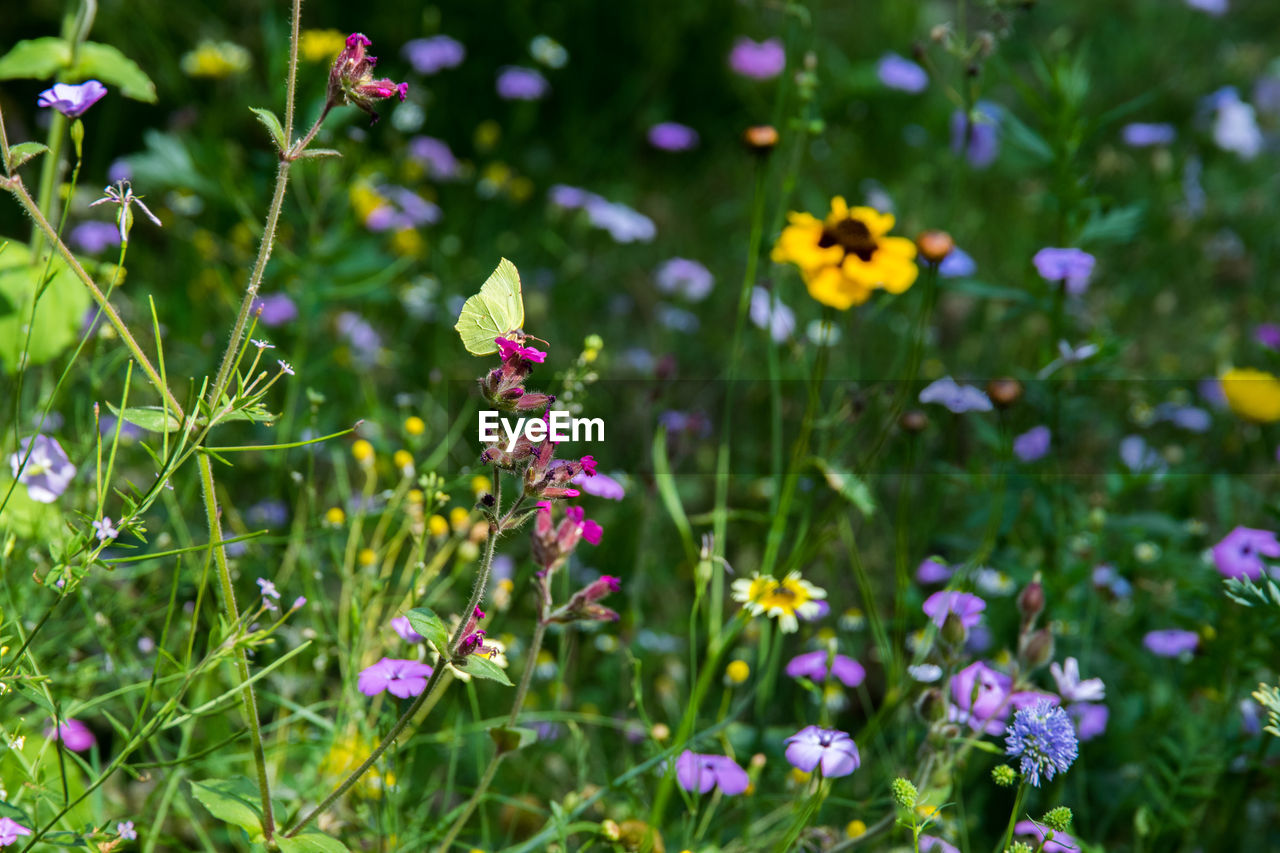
pixel 72 99
pixel 10 829
pixel 1061 843
pixel 815 667
pixel 673 136
pixel 590 530
pixel 509 349
pixel 1070 267
pixel 832 750
pixel 1240 553
pixel 701 773
pixel 402 678
pixel 1032 444
pixel 981 697
pixel 965 605
pixel 46 472
pixel 1171 642
pixel 521 84
pixel 404 628
pixel 74 735
pixel 434 54
pixel 898 72
pixel 932 570
pixel 351 79
pixel 762 60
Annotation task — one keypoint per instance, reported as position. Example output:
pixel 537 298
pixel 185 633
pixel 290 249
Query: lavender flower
pixel 10 829
pixel 1190 418
pixel 1240 553
pixel 965 605
pixel 105 530
pixel 434 54
pixel 932 570
pixel 701 773
pixel 72 99
pixel 436 156
pixel 1171 642
pixel 958 398
pixel 268 589
pixel 767 312
pixel 1235 124
pixel 829 749
pixel 601 486
pixel 566 197
pixel 125 830
pixel 1090 719
pixel 762 60
pixel 1071 688
pixel 624 224
pixel 673 136
pixel 814 666
pixel 1146 135
pixel 977 135
pixel 1139 457
pixel 900 73
pixel 1217 8
pixel 934 844
pixel 1044 739
pixel 277 309
pixel 1032 444
pixel 1268 334
pixel 981 698
pixel 363 339
pixel 404 628
pixel 402 678
pixel 1061 842
pixel 1072 267
pixel 94 237
pixel 516 83
pixel 47 471
pixel 957 264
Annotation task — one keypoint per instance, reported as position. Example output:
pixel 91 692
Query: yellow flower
pixel 345 755
pixel 321 45
pixel 416 496
pixel 847 256
pixel 403 460
pixel 362 450
pixel 367 557
pixel 335 516
pixel 481 484
pixel 407 243
pixel 1252 394
pixel 737 672
pixel 437 525
pixel 855 829
pixel 458 517
pixel 415 425
pixel 785 599
pixel 215 59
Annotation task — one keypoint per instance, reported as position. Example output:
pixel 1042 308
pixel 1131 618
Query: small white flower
pixel 925 672
pixel 262 344
pixel 122 194
pixel 285 367
pixel 1071 688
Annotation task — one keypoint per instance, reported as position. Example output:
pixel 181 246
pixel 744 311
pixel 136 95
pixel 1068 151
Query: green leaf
pixel 1022 136
pixel 27 518
pixel 235 801
pixel 40 58
pixel 481 667
pixel 272 124
pixel 106 63
pixel 153 418
pixel 24 151
pixel 59 312
pixel 1117 226
pixel 849 486
pixel 317 153
pixel 511 738
pixel 429 625
pixel 311 842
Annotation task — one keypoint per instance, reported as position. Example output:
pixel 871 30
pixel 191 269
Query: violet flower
pixel 956 397
pixel 600 486
pixel 10 829
pixel 47 471
pixel 898 72
pixel 1090 719
pixel 1042 737
pixel 957 264
pixel 977 135
pixel 1268 334
pixel 981 697
pixel 1071 688
pixel 701 773
pixel 673 136
pixel 1240 553
pixel 1061 842
pixel 932 570
pixel 1032 444
pixel 276 309
pixel 965 605
pixel 934 844
pixel 768 312
pixel 1146 135
pixel 404 628
pixel 762 60
pixel 401 678
pixel 436 155
pixel 516 83
pixel 1072 267
pixel 434 54
pixel 829 749
pixel 93 237
pixel 1171 642
pixel 72 99
pixel 105 530
pixel 814 666
pixel 688 278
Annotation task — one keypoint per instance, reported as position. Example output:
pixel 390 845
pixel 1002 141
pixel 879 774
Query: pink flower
pixel 402 678
pixel 74 735
pixel 814 666
pixel 1240 553
pixel 760 60
pixel 402 627
pixel 981 697
pixel 965 605
pixel 701 773
pixel 10 829
pixel 509 349
pixel 588 465
pixel 832 750
pixel 351 78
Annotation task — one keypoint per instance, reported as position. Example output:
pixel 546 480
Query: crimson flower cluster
pixel 351 79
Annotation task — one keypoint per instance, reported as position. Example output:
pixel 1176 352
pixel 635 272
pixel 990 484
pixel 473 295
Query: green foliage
pixel 59 299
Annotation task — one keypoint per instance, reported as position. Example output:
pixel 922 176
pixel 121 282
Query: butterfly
pixel 496 311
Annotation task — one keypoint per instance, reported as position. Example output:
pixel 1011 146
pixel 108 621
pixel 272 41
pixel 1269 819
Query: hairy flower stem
pixel 1013 817
pixel 496 526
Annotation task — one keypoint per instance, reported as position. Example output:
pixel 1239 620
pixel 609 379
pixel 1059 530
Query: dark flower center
pixel 825 738
pixel 852 236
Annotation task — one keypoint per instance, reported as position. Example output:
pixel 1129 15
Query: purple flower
pixel 364 341
pixel 1090 719
pixel 46 472
pixel 268 588
pixel 898 72
pixel 814 666
pixel 957 264
pixel 72 99
pixel 404 209
pixel 688 278
pixel 673 136
pixel 105 530
pixel 429 55
pixel 125 830
pixel 958 398
pixel 93 237
pixel 832 750
pixel 601 486
pixel 934 844
pixel 1071 688
pixel 1171 642
pixel 1061 843
pixel 981 697
pixel 569 198
pixel 1190 418
pixel 932 570
pixel 965 605
pixel 1070 266
pixel 1267 334
pixel 74 735
pixel 760 60
pixel 277 309
pixel 402 626
pixel 1235 124
pixel 285 367
pixel 270 513
pixel 1032 444
pixel 1216 8
pixel 521 84
pixel 436 155
pixel 768 312
pixel 1106 577
pixel 402 678
pixel 978 136
pixel 1240 553
pixel 128 431
pixel 701 773
pixel 1145 134
pixel 1138 456
pixel 10 829
pixel 1043 737
pixel 509 349
pixel 624 224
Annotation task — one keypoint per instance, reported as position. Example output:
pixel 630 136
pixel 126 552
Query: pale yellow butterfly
pixel 496 311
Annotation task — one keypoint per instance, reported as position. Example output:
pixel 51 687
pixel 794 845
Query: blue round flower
pixel 1044 739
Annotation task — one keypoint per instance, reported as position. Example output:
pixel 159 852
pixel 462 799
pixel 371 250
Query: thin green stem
pixel 1013 817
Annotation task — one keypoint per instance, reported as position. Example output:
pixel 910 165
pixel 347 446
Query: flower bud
pixel 904 793
pixel 1031 600
pixel 1004 392
pixel 1004 775
pixel 1037 649
pixel 1059 819
pixel 913 420
pixel 953 631
pixel 935 245
pixel 760 138
pixel 931 706
pixel 610 830
pixel 351 78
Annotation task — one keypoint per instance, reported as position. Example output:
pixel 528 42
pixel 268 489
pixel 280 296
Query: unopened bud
pixel 1004 392
pixel 913 420
pixel 935 245
pixel 610 830
pixel 953 631
pixel 1004 775
pixel 1031 600
pixel 904 793
pixel 1059 819
pixel 760 138
pixel 931 706
pixel 1037 650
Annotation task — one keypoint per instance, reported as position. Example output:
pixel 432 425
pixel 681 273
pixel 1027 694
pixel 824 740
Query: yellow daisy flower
pixel 216 59
pixel 321 45
pixel 785 599
pixel 1252 394
pixel 847 256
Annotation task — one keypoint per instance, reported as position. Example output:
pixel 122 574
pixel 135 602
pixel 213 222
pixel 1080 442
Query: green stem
pixel 1013 817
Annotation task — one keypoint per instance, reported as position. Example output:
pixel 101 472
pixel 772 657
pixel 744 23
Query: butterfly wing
pixel 498 309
